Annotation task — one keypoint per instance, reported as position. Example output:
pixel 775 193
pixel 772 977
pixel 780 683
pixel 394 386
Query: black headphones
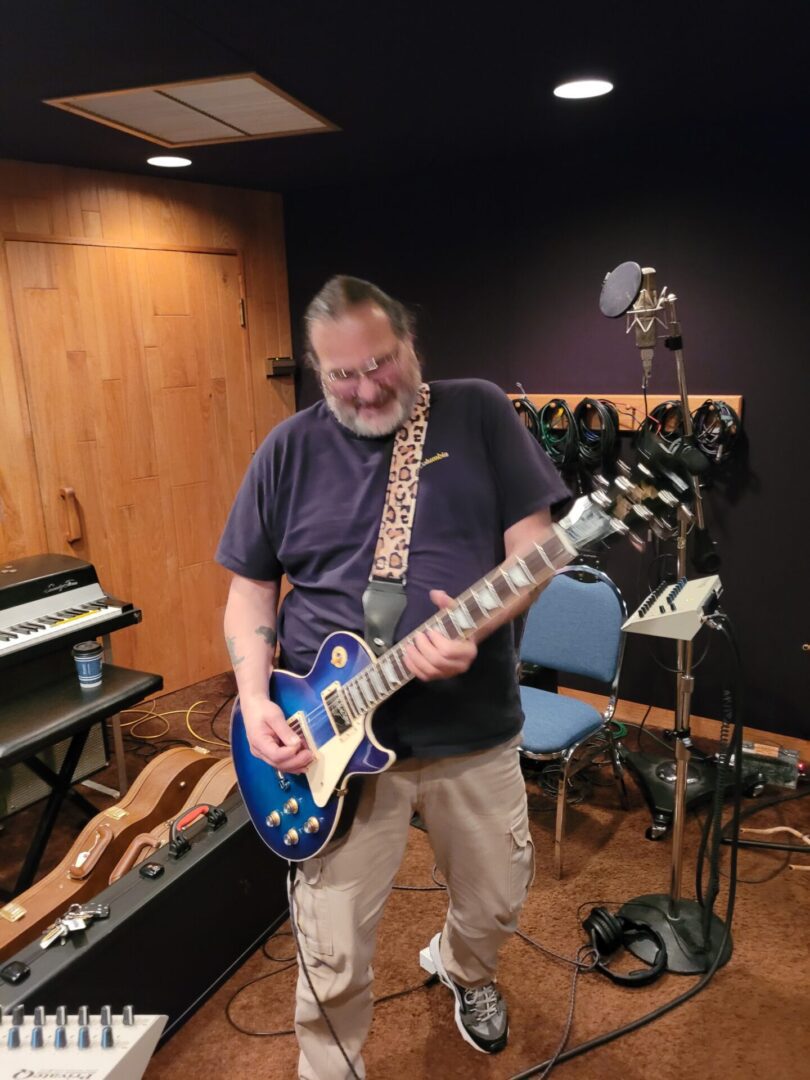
pixel 609 932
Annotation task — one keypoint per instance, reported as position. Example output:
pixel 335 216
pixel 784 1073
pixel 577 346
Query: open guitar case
pixel 170 939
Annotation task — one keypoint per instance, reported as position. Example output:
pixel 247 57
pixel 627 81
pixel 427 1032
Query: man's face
pixel 369 377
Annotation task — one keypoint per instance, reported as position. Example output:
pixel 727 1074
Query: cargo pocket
pixel 521 864
pixel 311 900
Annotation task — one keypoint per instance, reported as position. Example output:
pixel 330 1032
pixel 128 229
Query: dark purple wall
pixel 503 265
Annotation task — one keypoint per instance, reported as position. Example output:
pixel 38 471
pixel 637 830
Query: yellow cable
pixel 200 738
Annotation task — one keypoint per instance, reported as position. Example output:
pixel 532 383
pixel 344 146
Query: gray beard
pixel 346 413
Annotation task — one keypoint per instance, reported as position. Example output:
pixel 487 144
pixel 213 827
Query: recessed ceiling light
pixel 583 88
pixel 168 162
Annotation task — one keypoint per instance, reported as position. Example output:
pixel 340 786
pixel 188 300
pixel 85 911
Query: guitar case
pixel 178 927
pixel 211 790
pixel 157 793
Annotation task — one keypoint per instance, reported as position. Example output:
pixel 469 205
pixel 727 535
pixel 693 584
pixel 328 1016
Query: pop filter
pixel 620 289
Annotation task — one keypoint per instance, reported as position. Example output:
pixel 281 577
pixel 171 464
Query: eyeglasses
pixel 349 378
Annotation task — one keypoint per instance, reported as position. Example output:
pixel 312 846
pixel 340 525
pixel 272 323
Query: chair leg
pixel 562 803
pixel 618 772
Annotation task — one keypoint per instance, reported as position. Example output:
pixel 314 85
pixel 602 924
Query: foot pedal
pixel 426 961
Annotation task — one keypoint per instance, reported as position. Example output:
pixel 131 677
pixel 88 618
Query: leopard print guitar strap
pixel 384 599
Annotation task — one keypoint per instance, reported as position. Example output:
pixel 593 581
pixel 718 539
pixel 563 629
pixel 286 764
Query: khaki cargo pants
pixel 474 807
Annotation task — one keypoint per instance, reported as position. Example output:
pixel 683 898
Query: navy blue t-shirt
pixel 310 507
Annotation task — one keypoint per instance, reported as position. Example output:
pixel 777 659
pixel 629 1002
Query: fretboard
pixel 472 611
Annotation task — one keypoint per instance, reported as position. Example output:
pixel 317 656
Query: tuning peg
pixel 601 499
pixel 623 467
pixel 638 542
pixel 642 511
pixel 601 480
pixel 661 528
pixel 668 499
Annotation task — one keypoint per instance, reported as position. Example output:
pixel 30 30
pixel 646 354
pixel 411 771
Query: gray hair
pixel 340 294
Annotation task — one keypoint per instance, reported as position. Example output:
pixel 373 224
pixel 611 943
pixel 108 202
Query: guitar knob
pixel 283 782
pixel 291 837
pixel 291 806
pixel 312 825
pixel 273 819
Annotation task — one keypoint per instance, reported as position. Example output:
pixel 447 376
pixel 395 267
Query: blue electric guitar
pixel 332 707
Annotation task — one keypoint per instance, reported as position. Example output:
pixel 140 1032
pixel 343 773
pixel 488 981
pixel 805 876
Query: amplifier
pixel 20 787
pixel 177 928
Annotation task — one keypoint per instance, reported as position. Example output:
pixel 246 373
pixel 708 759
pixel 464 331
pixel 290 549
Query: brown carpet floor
pixel 750 1021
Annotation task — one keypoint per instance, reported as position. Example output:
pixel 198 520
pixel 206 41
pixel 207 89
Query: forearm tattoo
pixel 268 633
pixel 232 651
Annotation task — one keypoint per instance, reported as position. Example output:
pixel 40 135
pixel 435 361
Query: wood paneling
pixel 125 374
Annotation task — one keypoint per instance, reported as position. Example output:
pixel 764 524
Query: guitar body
pixel 318 799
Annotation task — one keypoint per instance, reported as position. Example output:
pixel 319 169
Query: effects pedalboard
pixel 676 610
pixel 101 1046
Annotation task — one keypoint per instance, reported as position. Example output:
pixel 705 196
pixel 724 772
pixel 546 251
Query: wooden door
pixel 136 372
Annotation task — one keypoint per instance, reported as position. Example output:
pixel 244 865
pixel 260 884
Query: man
pixel 310 507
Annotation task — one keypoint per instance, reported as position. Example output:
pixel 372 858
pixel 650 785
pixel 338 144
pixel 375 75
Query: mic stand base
pixel 682 935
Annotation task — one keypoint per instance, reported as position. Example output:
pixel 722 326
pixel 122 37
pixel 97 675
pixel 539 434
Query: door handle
pixel 73 531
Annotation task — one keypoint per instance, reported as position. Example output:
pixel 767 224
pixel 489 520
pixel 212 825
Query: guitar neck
pixel 473 610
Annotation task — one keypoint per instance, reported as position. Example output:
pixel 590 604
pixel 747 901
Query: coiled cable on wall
pixel 527 413
pixel 558 433
pixel 598 441
pixel 716 427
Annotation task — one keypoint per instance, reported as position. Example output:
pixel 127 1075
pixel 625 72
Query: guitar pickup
pixel 336 709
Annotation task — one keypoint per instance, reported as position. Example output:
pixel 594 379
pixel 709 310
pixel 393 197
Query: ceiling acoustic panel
pixel 230 108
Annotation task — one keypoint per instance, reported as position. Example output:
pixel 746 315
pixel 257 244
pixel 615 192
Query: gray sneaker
pixel 481 1015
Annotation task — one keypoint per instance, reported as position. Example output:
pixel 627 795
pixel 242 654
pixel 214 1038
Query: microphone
pixel 644 321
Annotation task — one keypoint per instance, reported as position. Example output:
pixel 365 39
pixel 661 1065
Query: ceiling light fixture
pixel 168 162
pixel 583 88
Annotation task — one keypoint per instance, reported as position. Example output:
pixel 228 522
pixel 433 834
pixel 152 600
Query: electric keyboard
pixel 53 601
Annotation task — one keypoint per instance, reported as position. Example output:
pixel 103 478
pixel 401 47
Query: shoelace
pixel 483 1001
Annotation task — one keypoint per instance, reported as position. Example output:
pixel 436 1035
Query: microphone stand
pixel 680 922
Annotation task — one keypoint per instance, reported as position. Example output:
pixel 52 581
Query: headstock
pixel 634 497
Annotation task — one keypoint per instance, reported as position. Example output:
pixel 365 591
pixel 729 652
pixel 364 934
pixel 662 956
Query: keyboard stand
pixel 50 706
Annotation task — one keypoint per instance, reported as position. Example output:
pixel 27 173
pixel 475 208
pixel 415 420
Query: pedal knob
pixel 13 1038
pixel 61 1015
pixel 105 1017
pixel 39 1015
pixel 128 1015
pixel 273 819
pixel 291 837
pixel 312 825
pixel 106 1037
pixel 37 1040
pixel 291 806
pixel 60 1038
pixel 84 1038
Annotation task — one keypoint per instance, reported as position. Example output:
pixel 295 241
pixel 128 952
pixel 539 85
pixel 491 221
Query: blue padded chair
pixel 574 627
